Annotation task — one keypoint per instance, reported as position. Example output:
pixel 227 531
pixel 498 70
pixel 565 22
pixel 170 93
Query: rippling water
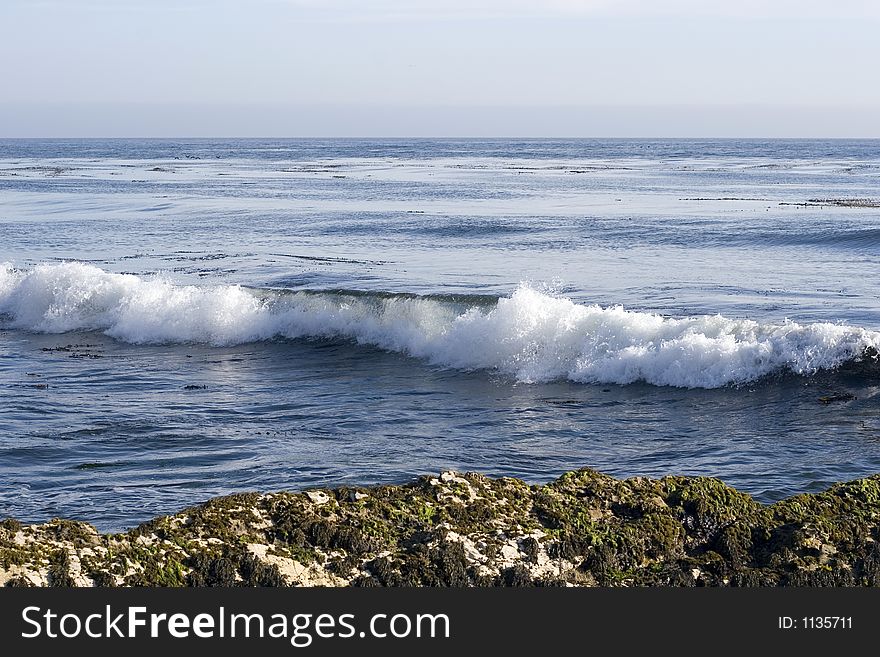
pixel 180 319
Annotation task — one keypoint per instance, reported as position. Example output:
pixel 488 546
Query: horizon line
pixel 441 137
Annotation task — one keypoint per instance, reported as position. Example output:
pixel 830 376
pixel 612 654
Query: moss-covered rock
pixel 584 529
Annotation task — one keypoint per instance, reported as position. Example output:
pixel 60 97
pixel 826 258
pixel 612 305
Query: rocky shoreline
pixel 584 529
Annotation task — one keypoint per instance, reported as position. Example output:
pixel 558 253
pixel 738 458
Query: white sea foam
pixel 530 335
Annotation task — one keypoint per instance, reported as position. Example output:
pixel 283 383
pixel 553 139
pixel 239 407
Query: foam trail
pixel 529 335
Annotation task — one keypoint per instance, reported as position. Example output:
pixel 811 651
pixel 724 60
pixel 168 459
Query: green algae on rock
pixel 584 529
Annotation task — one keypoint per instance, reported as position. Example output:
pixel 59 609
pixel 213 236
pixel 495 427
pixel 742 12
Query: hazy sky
pixel 434 67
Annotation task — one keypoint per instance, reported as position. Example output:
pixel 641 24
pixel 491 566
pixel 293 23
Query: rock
pixel 318 496
pixel 584 529
pixel 449 477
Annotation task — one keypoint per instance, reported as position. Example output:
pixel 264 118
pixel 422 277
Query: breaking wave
pixel 530 335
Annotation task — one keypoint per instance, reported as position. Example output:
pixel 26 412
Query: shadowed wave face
pixel 529 335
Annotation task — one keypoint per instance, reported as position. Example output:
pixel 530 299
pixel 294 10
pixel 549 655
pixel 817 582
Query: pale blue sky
pixel 444 68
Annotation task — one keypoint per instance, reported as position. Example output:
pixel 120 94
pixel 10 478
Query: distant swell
pixel 529 335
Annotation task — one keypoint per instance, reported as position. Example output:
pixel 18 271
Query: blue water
pixel 186 318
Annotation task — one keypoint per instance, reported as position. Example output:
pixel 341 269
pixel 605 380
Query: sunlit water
pixel 181 319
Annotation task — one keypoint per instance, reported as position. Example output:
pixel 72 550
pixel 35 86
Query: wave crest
pixel 530 335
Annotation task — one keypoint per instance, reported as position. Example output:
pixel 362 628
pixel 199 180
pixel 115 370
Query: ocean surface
pixel 186 318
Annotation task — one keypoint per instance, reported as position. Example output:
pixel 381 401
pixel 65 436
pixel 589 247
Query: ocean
pixel 181 319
